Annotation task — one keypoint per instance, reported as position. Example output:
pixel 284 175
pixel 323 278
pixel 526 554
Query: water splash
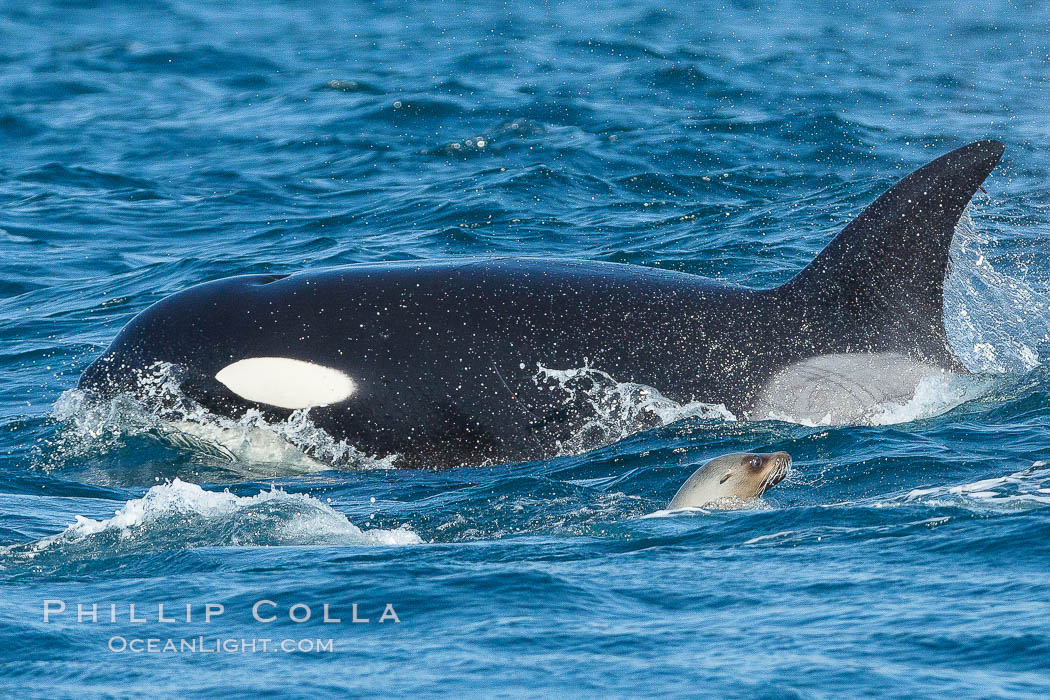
pixel 613 410
pixel 251 445
pixel 934 396
pixel 722 504
pixel 994 322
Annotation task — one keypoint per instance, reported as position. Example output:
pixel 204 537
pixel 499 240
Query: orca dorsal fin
pixel 879 285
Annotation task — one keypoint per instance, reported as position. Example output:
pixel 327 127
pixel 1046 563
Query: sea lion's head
pixel 740 476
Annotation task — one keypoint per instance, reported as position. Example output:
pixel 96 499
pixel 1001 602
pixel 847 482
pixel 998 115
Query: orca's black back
pixel 446 356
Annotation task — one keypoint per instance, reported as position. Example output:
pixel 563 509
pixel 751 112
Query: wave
pixel 1022 489
pixel 178 515
pixel 506 135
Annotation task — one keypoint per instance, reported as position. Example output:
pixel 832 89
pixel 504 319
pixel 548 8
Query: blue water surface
pixel 151 145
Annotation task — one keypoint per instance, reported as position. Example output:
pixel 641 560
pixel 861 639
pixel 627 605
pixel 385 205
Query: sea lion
pixel 740 476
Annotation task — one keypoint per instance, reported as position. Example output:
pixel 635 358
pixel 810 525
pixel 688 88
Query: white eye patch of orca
pixel 286 383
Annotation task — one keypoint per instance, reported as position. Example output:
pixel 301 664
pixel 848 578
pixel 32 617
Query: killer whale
pixel 435 362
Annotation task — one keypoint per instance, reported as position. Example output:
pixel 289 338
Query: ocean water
pixel 149 146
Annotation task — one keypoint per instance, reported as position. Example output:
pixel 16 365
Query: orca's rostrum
pixel 436 362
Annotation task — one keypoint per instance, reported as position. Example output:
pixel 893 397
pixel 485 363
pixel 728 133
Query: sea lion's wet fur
pixel 736 477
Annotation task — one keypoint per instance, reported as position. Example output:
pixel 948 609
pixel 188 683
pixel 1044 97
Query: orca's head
pixel 111 374
pixel 189 336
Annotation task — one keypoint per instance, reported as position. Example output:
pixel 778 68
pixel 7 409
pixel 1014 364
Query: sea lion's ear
pixel 725 477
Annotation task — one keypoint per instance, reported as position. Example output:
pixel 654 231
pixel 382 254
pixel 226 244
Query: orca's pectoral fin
pixel 879 283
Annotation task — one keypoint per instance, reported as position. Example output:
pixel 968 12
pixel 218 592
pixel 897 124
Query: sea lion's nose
pixel 777 465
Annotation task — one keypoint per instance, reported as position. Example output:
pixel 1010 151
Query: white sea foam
pixel 934 395
pixel 1028 487
pixel 180 515
pixel 726 503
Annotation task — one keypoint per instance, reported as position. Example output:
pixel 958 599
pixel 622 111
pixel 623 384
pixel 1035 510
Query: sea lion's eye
pixel 755 462
pixel 725 477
